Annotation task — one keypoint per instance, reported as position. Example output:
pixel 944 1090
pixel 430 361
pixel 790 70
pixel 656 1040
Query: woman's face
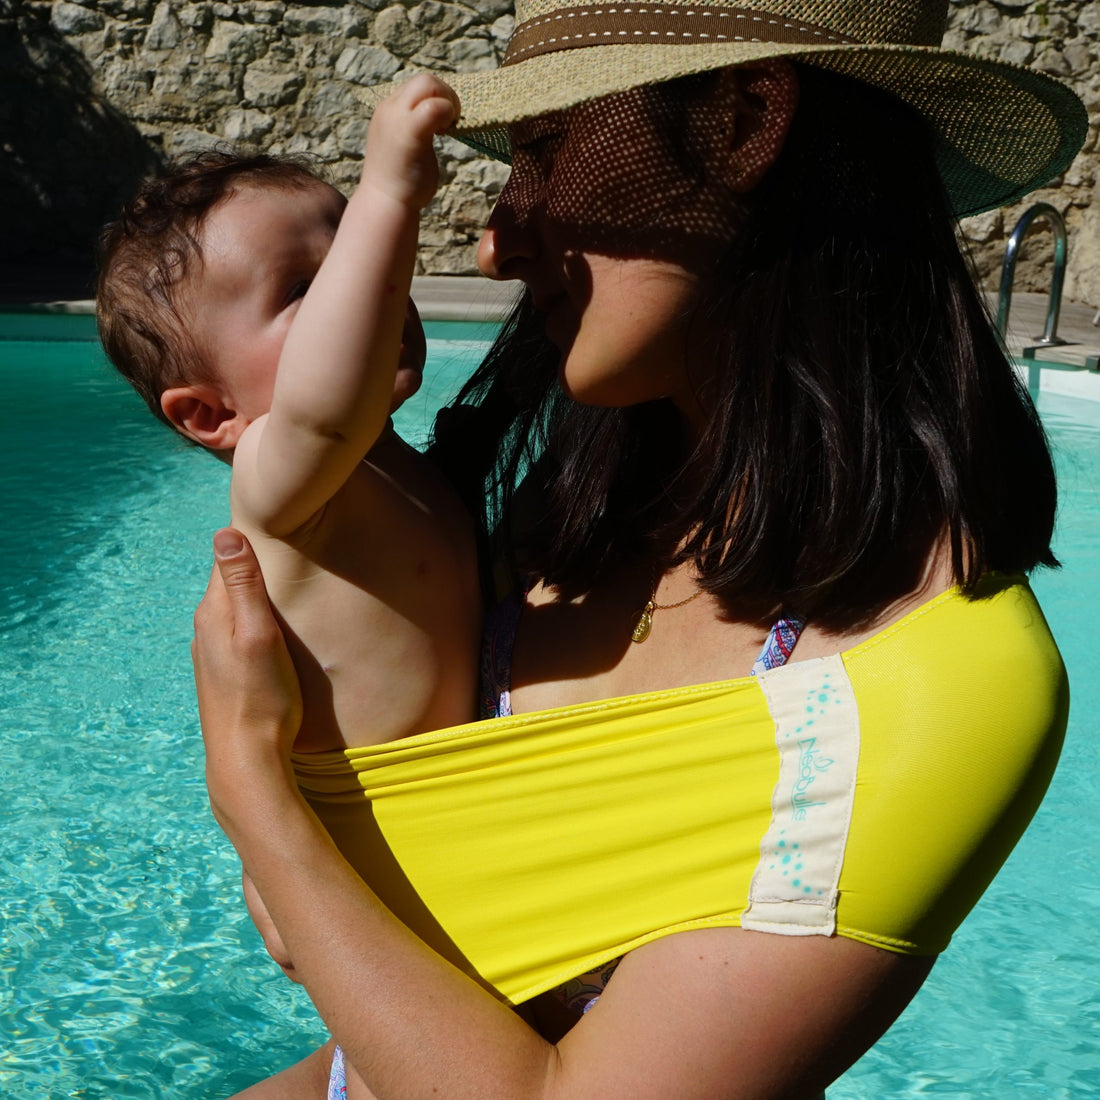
pixel 614 214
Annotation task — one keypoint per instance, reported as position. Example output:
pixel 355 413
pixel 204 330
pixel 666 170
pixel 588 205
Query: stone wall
pixel 96 91
pixel 1062 38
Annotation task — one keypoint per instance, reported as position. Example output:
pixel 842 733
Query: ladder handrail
pixel 1008 271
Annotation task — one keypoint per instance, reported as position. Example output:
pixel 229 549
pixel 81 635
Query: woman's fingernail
pixel 227 543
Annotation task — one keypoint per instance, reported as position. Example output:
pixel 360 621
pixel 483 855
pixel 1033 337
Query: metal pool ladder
pixel 1050 338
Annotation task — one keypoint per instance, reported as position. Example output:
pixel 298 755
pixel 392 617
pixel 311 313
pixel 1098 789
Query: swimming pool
pixel 127 965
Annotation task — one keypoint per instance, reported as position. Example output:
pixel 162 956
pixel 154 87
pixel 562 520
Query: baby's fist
pixel 399 159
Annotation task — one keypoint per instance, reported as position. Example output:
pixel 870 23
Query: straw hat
pixel 1002 130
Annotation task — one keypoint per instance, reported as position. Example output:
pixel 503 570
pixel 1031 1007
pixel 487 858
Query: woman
pixel 750 386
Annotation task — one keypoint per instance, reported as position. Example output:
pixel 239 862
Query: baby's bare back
pixel 380 599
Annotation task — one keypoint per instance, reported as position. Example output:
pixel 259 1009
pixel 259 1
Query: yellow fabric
pixel 530 849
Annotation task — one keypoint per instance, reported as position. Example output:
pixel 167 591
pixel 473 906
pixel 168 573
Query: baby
pixel 263 317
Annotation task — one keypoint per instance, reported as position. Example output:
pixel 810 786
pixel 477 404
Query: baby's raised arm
pixel 336 372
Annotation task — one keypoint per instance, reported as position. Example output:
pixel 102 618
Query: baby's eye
pixel 296 291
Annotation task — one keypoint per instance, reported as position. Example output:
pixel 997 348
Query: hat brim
pixel 1002 130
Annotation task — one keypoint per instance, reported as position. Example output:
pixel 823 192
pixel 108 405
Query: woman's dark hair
pixel 860 404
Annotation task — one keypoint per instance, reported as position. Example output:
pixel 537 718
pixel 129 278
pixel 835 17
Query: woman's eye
pixel 541 150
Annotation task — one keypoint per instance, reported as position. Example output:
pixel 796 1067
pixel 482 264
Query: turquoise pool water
pixel 127 965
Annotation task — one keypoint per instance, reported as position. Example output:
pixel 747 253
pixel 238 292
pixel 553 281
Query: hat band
pixel 667 24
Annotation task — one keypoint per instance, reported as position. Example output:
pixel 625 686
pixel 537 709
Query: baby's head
pixel 199 280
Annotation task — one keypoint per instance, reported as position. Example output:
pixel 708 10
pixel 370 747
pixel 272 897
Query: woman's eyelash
pixel 540 149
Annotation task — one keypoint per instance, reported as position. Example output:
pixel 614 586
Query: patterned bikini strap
pixel 779 644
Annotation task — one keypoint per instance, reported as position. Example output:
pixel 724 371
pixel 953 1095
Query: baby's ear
pixel 767 96
pixel 201 413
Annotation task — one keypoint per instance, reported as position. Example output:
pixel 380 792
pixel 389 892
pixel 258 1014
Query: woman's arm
pixel 708 1014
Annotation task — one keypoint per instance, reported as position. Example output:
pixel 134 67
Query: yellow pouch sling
pixel 872 794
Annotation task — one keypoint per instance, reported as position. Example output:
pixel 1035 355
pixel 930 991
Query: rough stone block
pixel 352 137
pixel 127 9
pixel 236 44
pixel 433 56
pixel 1044 28
pixel 435 233
pixel 366 64
pixel 169 81
pixel 465 209
pixel 357 24
pixel 984 227
pixel 1088 20
pixel 483 176
pixel 1090 94
pixel 73 19
pixel 1081 56
pixel 980 20
pixel 452 150
pixel 332 100
pixel 301 144
pixel 472 55
pixel 267 12
pixel 250 126
pixel 165 30
pixel 490 9
pixel 123 84
pixel 441 20
pixel 502 30
pixel 185 142
pixel 196 16
pixel 301 20
pixel 1018 52
pixel 1052 61
pixel 455 258
pixel 271 89
pixel 393 30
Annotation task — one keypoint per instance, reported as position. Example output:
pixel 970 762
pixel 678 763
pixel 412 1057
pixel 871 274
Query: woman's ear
pixel 766 95
pixel 201 413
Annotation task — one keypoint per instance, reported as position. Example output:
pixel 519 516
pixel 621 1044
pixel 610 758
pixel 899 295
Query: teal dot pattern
pixel 816 720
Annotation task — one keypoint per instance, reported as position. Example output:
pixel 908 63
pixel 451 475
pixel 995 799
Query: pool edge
pixel 437 297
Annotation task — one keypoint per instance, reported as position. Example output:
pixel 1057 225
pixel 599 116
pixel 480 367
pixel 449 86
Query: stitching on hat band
pixel 569 28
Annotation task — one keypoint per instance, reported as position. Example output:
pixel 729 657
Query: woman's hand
pixel 250 704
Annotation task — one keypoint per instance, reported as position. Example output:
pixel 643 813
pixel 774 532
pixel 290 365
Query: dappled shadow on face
pixel 643 174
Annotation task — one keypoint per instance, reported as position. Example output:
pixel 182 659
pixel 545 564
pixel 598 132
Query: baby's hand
pixel 399 160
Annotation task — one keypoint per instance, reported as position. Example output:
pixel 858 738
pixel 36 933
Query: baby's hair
pixel 146 255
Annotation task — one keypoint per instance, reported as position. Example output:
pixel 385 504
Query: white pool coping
pixel 473 298
pixel 437 297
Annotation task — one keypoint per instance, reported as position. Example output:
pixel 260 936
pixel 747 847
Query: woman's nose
pixel 511 238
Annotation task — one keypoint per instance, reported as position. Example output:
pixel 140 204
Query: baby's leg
pixel 261 918
pixel 304 1081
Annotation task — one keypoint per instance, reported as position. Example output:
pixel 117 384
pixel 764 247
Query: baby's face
pixel 261 248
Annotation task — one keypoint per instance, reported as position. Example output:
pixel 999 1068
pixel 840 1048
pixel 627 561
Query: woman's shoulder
pixel 962 710
pixel 997 629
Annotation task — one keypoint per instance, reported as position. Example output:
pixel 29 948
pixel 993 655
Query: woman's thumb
pixel 240 571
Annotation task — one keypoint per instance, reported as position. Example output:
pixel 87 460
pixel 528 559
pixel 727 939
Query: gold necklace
pixel 644 623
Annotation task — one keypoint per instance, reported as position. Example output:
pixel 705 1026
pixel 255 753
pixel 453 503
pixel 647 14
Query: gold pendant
pixel 644 624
